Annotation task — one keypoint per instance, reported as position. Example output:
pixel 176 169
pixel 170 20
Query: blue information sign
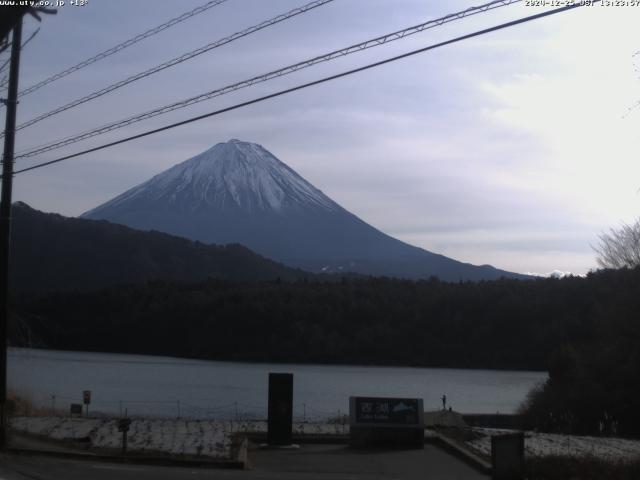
pixel 399 411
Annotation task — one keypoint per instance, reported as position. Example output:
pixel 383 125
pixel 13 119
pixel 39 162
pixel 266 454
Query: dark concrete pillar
pixel 280 422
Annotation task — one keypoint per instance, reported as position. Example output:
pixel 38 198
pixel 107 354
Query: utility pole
pixel 5 219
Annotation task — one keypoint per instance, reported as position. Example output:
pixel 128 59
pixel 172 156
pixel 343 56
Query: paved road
pixel 310 462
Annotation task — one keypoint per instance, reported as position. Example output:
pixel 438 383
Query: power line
pixel 24 44
pixel 4 46
pixel 122 46
pixel 3 66
pixel 306 85
pixel 177 60
pixel 267 76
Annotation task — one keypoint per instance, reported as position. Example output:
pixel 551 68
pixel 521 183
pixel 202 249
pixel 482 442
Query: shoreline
pixel 195 360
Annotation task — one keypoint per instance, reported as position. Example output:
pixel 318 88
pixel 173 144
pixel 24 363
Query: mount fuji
pixel 238 192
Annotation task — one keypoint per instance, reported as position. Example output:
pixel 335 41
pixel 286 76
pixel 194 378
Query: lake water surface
pixel 146 385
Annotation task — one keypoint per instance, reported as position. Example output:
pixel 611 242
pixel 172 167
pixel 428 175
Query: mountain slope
pixel 52 252
pixel 238 192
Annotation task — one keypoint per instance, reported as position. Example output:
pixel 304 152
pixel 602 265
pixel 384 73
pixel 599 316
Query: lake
pixel 165 386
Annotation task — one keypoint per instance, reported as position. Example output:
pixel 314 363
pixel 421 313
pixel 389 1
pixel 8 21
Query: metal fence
pixel 53 405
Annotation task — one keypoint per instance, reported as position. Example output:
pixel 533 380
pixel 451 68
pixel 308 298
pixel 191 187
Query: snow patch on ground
pixel 299 428
pixel 213 438
pixel 210 438
pixel 544 444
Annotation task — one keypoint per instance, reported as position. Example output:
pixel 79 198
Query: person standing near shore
pixel 444 402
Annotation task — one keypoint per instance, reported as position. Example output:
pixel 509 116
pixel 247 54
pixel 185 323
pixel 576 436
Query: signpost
pixel 76 409
pixel 377 421
pixel 123 426
pixel 280 423
pixel 86 399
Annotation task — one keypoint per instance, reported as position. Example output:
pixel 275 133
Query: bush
pixel 18 405
pixel 580 468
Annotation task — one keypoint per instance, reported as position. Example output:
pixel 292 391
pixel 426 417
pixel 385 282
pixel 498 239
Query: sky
pixel 515 149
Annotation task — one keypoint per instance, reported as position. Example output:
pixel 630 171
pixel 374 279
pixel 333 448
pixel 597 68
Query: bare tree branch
pixel 620 248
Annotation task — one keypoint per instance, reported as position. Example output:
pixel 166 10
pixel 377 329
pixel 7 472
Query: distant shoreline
pixel 254 362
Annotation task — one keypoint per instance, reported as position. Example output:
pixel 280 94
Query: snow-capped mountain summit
pixel 233 175
pixel 238 192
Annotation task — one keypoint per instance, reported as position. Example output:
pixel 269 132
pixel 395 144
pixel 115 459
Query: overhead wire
pixel 177 60
pixel 4 65
pixel 4 45
pixel 121 46
pixel 309 84
pixel 375 42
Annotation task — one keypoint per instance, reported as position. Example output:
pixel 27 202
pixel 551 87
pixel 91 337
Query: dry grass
pixel 21 405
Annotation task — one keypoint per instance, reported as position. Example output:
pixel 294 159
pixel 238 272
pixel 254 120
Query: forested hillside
pixel 52 252
pixel 510 324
